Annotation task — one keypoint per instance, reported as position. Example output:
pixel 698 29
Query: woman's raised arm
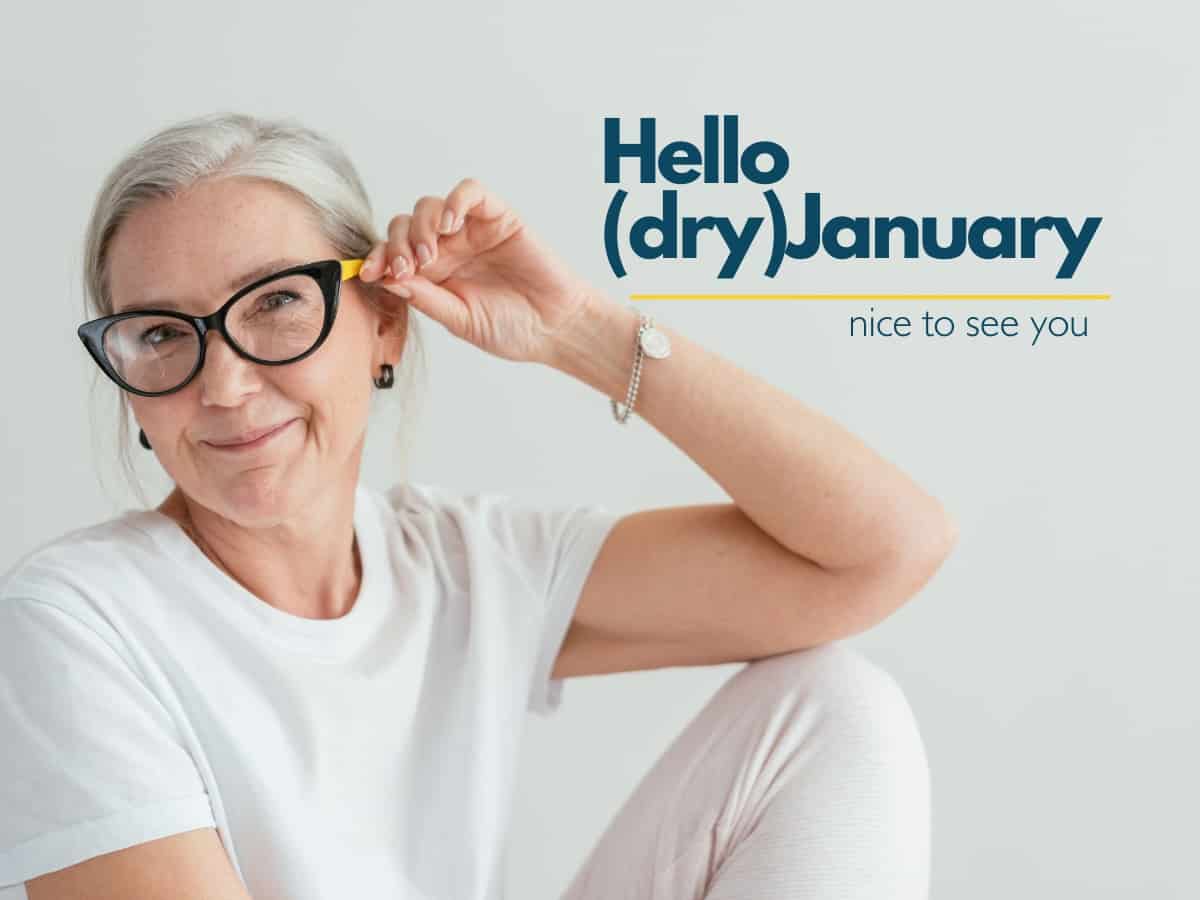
pixel 824 537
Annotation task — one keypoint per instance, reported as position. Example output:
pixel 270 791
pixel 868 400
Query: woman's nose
pixel 225 375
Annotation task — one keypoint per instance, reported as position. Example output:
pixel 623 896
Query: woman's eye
pixel 267 300
pixel 147 335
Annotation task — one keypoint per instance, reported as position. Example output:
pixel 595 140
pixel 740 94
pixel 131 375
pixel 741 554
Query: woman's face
pixel 191 249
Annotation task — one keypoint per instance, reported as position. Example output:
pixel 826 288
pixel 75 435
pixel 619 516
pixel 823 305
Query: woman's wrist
pixel 597 345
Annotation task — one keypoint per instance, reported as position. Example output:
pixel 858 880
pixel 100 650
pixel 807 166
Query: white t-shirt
pixel 144 692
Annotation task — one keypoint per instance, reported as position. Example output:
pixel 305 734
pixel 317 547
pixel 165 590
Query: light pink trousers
pixel 804 777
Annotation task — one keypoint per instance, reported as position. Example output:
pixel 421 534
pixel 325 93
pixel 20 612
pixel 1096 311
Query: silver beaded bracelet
pixel 651 342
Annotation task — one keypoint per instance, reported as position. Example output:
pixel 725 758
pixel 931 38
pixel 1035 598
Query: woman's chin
pixel 255 499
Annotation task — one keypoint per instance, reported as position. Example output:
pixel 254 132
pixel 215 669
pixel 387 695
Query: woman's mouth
pixel 254 444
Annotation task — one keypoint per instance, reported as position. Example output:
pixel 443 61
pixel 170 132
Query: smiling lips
pixel 251 438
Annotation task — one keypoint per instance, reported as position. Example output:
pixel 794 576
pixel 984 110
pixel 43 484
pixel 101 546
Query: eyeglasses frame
pixel 329 273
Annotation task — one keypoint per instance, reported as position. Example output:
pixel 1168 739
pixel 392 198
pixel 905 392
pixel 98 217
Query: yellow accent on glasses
pixel 350 267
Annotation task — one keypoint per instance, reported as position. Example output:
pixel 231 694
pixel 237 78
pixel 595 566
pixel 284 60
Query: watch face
pixel 655 344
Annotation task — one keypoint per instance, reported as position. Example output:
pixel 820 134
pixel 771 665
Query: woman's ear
pixel 392 331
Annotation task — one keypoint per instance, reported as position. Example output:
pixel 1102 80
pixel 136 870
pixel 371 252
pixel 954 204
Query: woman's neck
pixel 335 601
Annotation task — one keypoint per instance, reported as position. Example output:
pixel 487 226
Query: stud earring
pixel 142 439
pixel 385 379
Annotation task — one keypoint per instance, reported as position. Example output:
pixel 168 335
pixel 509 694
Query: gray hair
pixel 234 145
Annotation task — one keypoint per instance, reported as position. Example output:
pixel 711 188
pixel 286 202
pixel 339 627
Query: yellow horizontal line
pixel 870 296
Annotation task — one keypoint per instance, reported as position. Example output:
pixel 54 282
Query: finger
pixel 423 233
pixel 462 197
pixel 434 301
pixel 374 263
pixel 471 198
pixel 399 251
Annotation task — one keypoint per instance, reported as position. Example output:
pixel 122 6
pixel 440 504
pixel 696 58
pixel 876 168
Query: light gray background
pixel 1051 661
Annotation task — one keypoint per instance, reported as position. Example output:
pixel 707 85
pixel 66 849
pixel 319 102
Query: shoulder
pixel 451 512
pixel 468 515
pixel 437 524
pixel 437 499
pixel 495 521
pixel 76 570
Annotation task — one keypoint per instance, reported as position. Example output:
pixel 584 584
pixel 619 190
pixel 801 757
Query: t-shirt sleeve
pixel 559 544
pixel 90 759
pixel 552 547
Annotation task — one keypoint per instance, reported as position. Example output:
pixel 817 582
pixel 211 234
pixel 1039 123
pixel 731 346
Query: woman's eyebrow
pixel 260 271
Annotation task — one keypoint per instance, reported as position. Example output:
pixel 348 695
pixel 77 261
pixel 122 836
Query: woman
pixel 282 684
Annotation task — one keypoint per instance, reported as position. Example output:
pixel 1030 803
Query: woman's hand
pixel 467 261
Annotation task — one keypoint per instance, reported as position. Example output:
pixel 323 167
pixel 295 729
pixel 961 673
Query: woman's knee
pixel 843 694
pixel 838 795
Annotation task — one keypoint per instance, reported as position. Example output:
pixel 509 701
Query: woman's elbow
pixel 898 576
pixel 926 544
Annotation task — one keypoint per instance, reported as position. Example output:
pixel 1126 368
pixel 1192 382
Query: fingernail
pixel 400 289
pixel 447 221
pixel 399 265
pixel 423 254
pixel 366 267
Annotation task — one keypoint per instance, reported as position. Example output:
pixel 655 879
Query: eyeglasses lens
pixel 276 322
